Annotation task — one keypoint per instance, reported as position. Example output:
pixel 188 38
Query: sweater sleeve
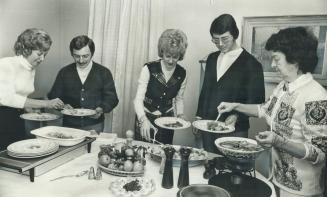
pixel 8 94
pixel 110 98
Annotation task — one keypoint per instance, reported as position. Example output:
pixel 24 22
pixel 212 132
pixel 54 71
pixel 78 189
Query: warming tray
pixel 36 166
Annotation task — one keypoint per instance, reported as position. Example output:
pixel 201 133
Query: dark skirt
pixel 164 135
pixel 12 127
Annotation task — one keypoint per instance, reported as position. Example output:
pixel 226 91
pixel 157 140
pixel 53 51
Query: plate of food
pixel 132 187
pixel 213 126
pixel 238 148
pixel 172 123
pixel 64 136
pixel 79 112
pixel 39 116
pixel 197 156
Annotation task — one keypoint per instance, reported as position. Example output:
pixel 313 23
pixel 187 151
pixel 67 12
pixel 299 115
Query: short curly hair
pixel 298 44
pixel 224 23
pixel 81 41
pixel 173 41
pixel 32 39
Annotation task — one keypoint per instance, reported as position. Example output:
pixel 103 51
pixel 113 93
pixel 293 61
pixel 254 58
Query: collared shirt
pixel 16 81
pixel 142 87
pixel 225 60
pixel 297 111
pixel 84 72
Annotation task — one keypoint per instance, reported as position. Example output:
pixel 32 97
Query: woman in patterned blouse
pixel 297 114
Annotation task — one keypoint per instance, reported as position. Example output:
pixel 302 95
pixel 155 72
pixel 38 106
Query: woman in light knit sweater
pixel 17 82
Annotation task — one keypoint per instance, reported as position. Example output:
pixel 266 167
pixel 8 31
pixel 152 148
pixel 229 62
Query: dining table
pixel 18 185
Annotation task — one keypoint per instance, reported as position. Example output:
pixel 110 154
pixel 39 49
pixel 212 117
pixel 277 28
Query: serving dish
pixel 204 125
pixel 120 173
pixel 32 148
pixel 78 112
pixel 132 187
pixel 196 190
pixel 64 136
pixel 197 156
pixel 39 116
pixel 172 123
pixel 239 149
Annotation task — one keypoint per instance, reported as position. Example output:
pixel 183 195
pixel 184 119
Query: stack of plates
pixel 32 148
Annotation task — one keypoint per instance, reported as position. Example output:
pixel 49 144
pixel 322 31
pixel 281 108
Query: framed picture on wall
pixel 256 31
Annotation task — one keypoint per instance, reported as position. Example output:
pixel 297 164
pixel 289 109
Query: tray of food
pixel 213 126
pixel 64 136
pixel 172 123
pixel 132 187
pixel 197 156
pixel 79 112
pixel 39 116
pixel 238 148
pixel 122 160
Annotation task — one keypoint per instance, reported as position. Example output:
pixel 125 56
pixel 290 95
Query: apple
pixel 138 166
pixel 104 160
pixel 128 166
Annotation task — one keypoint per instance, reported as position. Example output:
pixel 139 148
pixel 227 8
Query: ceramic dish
pixel 172 123
pixel 78 112
pixel 121 172
pixel 197 157
pixel 64 136
pixel 132 187
pixel 197 190
pixel 32 148
pixel 39 116
pixel 204 125
pixel 239 149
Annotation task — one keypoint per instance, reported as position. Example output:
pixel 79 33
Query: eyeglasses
pixel 224 39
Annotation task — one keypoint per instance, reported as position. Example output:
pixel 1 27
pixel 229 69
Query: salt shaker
pixel 167 178
pixel 183 178
pixel 98 175
pixel 91 174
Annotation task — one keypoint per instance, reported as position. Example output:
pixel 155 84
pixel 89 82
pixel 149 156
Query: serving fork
pixel 72 175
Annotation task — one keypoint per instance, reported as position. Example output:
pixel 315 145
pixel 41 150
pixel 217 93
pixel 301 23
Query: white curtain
pixel 125 33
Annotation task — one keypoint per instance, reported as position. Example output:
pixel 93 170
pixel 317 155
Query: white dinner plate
pixel 202 125
pixel 78 112
pixel 166 123
pixel 32 148
pixel 39 116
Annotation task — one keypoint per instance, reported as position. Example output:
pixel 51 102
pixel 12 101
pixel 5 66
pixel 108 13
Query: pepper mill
pixel 183 178
pixel 167 178
pixel 162 163
pixel 210 170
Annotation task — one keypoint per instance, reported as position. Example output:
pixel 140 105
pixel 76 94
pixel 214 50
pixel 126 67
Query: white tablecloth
pixel 17 185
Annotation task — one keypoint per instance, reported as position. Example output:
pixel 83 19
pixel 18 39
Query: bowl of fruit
pixel 122 160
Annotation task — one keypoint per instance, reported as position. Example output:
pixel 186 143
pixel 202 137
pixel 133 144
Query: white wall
pixel 62 19
pixel 194 18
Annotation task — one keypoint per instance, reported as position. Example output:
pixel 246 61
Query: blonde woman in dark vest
pixel 161 82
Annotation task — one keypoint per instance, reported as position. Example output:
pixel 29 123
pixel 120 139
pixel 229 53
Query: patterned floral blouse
pixel 298 111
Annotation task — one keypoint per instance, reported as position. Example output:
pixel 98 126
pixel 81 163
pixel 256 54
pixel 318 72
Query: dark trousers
pixel 164 136
pixel 12 127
